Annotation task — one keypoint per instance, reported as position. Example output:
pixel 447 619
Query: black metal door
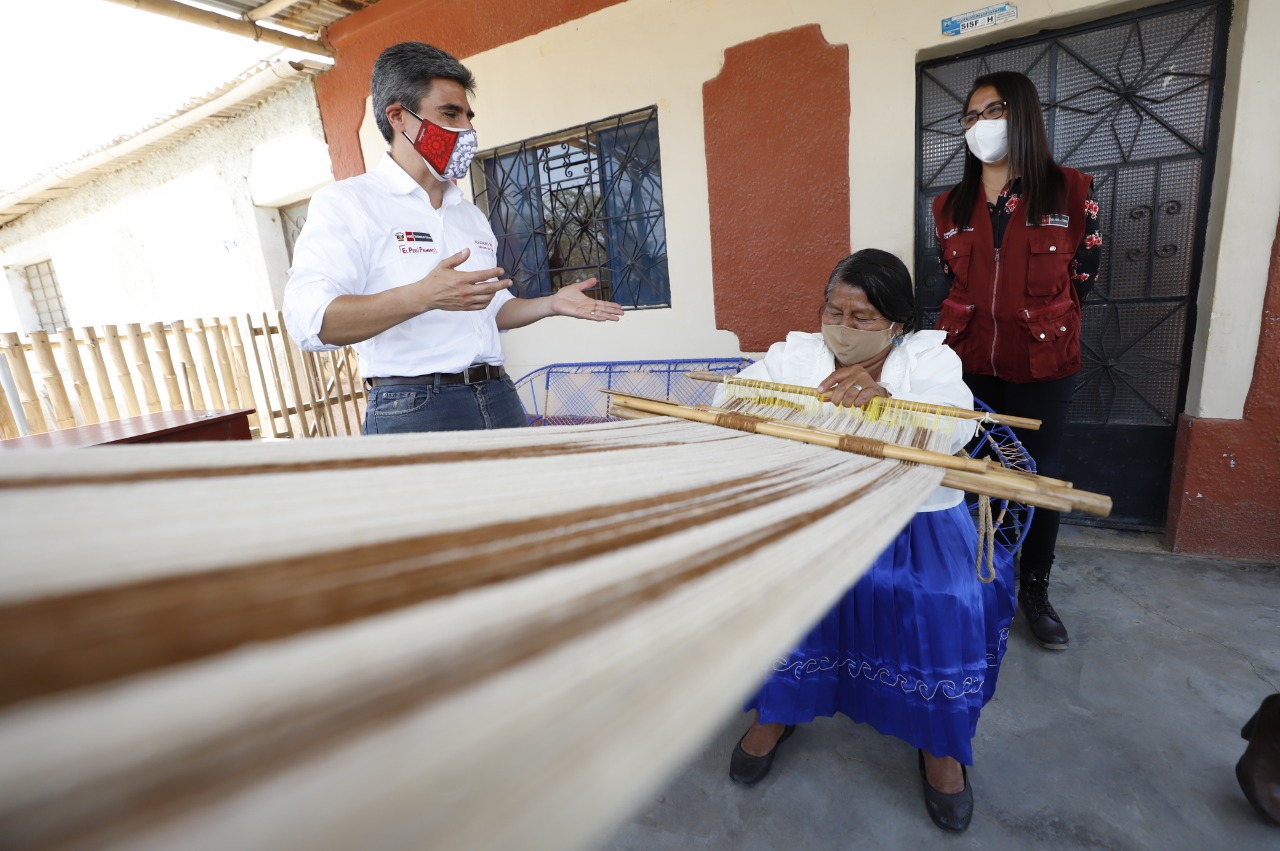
pixel 1134 101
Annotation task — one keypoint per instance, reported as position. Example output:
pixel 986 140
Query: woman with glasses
pixel 913 648
pixel 1019 241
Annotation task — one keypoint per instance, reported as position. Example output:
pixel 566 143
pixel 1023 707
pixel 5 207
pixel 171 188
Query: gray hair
pixel 403 74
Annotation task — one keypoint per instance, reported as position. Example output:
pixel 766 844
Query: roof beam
pixel 271 7
pixel 234 26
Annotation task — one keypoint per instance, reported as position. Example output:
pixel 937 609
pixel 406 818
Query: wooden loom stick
pixel 888 401
pixel 985 467
pixel 986 477
pixel 981 479
pixel 989 485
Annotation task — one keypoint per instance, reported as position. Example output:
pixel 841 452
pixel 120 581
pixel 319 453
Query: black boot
pixel 1033 599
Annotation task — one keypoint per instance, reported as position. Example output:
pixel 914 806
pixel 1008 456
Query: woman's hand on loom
pixel 852 386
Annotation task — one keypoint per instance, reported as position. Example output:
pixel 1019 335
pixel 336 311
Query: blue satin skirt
pixel 913 649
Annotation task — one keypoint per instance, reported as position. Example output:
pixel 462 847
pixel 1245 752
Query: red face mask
pixel 448 152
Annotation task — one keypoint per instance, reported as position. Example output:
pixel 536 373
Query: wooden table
pixel 160 427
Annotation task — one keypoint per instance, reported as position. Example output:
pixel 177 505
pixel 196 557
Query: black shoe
pixel 1258 771
pixel 1033 599
pixel 949 811
pixel 748 770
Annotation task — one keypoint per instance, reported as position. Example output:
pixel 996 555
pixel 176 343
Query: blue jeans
pixel 404 408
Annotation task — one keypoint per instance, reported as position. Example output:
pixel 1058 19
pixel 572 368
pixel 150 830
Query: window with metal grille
pixel 46 296
pixel 584 202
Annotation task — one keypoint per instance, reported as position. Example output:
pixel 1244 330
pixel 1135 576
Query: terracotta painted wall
pixel 777 141
pixel 1225 495
pixel 462 27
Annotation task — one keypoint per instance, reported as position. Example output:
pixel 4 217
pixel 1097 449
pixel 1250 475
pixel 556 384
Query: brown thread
pixel 212 769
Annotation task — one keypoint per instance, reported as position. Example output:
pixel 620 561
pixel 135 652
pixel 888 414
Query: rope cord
pixel 986 541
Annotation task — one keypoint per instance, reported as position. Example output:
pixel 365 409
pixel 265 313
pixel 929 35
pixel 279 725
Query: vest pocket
pixel 1048 261
pixel 1054 343
pixel 955 319
pixel 957 251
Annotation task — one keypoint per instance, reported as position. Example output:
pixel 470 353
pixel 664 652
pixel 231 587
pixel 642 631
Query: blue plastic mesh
pixel 569 393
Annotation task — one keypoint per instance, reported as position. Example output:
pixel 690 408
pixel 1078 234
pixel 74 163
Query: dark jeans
pixel 404 408
pixel 1049 402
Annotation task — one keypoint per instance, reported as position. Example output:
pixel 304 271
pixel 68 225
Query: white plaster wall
pixel 183 233
pixel 661 52
pixel 1243 214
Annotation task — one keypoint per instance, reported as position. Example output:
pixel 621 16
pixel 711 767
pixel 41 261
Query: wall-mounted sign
pixel 1000 13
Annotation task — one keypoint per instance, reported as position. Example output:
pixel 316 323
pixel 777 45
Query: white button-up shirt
pixel 377 231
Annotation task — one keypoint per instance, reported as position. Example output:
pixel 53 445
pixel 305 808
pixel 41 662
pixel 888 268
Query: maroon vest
pixel 1014 312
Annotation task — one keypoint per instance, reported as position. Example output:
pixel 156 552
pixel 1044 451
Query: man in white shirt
pixel 399 264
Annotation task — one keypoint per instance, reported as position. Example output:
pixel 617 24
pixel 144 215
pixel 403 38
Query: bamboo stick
pixel 275 373
pixel 160 341
pixel 358 392
pixel 889 402
pixel 287 344
pixel 79 380
pixel 240 367
pixel 63 415
pixel 986 486
pixel 184 356
pixel 336 365
pixel 1031 492
pixel 327 387
pixel 94 343
pixel 1016 481
pixel 625 412
pixel 313 390
pixel 142 364
pixel 231 393
pixel 112 339
pixel 8 423
pixel 21 372
pixel 313 364
pixel 206 363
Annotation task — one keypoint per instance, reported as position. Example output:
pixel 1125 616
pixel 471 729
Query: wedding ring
pixel 858 387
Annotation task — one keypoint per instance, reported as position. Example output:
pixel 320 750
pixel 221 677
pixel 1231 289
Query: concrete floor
pixel 1127 740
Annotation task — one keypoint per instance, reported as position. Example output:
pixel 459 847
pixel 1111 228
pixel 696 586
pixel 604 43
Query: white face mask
pixel 989 140
pixel 853 345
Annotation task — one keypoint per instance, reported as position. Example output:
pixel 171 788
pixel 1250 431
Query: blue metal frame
pixel 639 376
pixel 999 443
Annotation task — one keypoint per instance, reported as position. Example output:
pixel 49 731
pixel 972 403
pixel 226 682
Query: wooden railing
pixel 200 364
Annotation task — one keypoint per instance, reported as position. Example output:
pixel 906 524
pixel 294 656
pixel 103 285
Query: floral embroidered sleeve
pixel 1084 266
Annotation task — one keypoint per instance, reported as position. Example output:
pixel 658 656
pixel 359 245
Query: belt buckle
pixel 478 369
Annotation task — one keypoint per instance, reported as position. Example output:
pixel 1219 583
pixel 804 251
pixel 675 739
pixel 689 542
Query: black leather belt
pixel 474 374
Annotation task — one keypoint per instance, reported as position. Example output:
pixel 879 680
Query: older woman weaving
pixel 914 647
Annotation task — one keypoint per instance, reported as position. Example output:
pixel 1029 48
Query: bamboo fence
pixel 90 375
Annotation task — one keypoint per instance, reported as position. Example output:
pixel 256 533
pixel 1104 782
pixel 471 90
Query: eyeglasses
pixel 991 112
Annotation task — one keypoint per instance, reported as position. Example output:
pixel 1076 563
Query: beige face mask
pixel 852 345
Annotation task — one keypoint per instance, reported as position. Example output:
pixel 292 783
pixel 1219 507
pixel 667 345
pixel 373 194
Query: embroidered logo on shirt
pixel 1057 220
pixel 485 245
pixel 412 242
pixel 955 231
